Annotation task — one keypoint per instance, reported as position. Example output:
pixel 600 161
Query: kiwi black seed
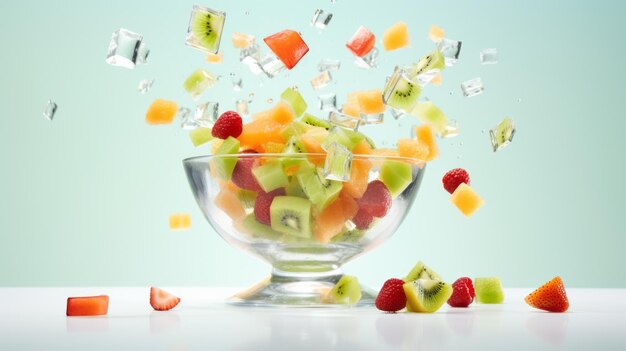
pixel 291 219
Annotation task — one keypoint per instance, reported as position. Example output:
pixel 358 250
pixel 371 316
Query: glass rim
pixel 302 155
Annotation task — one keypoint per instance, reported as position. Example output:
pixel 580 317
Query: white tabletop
pixel 34 319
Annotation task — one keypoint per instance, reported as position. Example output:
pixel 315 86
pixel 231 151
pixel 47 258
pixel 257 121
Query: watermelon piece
pixel 288 47
pixel 362 42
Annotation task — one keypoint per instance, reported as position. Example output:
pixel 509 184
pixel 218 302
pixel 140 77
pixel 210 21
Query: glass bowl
pixel 305 266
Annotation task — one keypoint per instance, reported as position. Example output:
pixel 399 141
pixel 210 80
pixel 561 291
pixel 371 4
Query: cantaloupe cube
pixel 362 148
pixel 396 37
pixel 259 132
pixel 262 114
pixel 161 112
pixel 426 136
pixel 413 149
pixel 228 202
pixel 371 102
pixel 359 178
pixel 180 221
pixel 466 199
pixel 437 80
pixel 282 113
pixel 273 148
pixel 351 106
pixel 215 58
pixel 436 34
pixel 241 40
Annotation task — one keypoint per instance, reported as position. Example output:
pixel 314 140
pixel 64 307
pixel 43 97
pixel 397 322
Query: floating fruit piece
pixel 413 149
pixel 161 300
pixel 422 271
pixel 282 113
pixel 401 91
pixel 291 215
pixel 288 47
pixel 436 34
pixel 241 40
pixel 427 112
pixel 228 202
pixel 396 37
pixel 161 112
pixel 396 175
pixel 259 132
pixel 466 199
pixel 215 58
pixel 362 42
pixel 423 295
pixel 346 291
pixel 488 290
pixel 87 306
pixel 453 178
pixel 200 136
pixel 229 124
pixel 315 122
pixel 180 221
pixel 426 136
pixel 295 99
pixel 371 102
pixel 205 28
pixel 391 297
pixel 549 297
pixel 197 82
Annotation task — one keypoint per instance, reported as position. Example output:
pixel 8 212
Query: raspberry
pixel 242 174
pixel 454 178
pixel 376 200
pixel 468 282
pixel 362 219
pixel 461 295
pixel 391 297
pixel 229 124
pixel 262 205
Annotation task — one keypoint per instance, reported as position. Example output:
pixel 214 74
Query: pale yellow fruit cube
pixel 466 199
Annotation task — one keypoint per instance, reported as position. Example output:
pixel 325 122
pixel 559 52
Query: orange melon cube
pixel 180 221
pixel 396 36
pixel 282 113
pixel 273 148
pixel 436 34
pixel 228 202
pixel 371 102
pixel 332 219
pixel 351 106
pixel 241 40
pixel 437 79
pixel 161 112
pixel 259 132
pixel 262 115
pixel 466 199
pixel 215 58
pixel 426 136
pixel 413 149
pixel 359 178
pixel 362 148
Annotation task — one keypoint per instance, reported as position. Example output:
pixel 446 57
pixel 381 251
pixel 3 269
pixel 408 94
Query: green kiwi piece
pixel 224 166
pixel 346 291
pixel 433 60
pixel 349 236
pixel 396 175
pixel 206 25
pixel 270 176
pixel 197 82
pixel 425 295
pixel 401 92
pixel 317 188
pixel 295 99
pixel 247 198
pixel 488 290
pixel 421 271
pixel 428 113
pixel 503 134
pixel 294 188
pixel 259 230
pixel 293 146
pixel 291 215
pixel 314 121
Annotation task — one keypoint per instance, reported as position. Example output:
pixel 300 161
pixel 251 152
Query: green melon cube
pixel 200 136
pixel 270 176
pixel 224 166
pixel 295 99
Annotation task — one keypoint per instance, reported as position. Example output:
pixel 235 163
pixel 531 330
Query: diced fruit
pixel 229 124
pixel 242 173
pixel 426 136
pixel 362 42
pixel 161 300
pixel 348 236
pixel 314 121
pixel 200 136
pixel 453 178
pixel 206 26
pixel 294 188
pixel 359 178
pixel 346 137
pixel 488 290
pixel 288 47
pixel 436 34
pixel 401 91
pixel 396 37
pixel 259 132
pixel 295 128
pixel 421 271
pixel 437 80
pixel 396 175
pixel 362 148
pixel 241 40
pixel 376 200
pixel 363 219
pixel 262 205
pixel 391 297
pixel 318 189
pixel 330 222
pixel 371 102
pixel 461 295
pixel 466 199
pixel 258 230
pixel 197 82
pixel 432 61
pixel 425 295
pixel 270 176
pixel 295 99
pixel 282 113
pixel 346 291
pixel 413 149
pixel 228 202
pixel 161 112
pixel 273 148
pixel 180 221
pixel 351 106
pixel 549 297
pixel 427 112
pixel 224 165
pixel 467 281
pixel 291 215
pixel 214 58
pixel 87 306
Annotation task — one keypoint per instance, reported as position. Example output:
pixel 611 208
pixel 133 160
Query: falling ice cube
pixel 338 163
pixel 396 114
pixel 205 29
pixel 401 92
pixel 50 110
pixel 343 120
pixel 489 56
pixel 237 83
pixel 451 130
pixel 186 119
pixel 271 65
pixel 328 65
pixel 126 49
pixel 198 82
pixel 327 102
pixel 242 107
pixel 250 54
pixel 472 87
pixel 206 114
pixel 145 85
pixel 450 49
pixel 374 118
pixel 321 19
pixel 368 61
pixel 502 134
pixel 321 80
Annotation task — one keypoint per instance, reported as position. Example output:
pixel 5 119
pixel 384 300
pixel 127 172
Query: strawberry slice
pixel 87 305
pixel 549 297
pixel 161 300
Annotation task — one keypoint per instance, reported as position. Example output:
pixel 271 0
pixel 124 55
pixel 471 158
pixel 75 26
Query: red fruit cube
pixel 362 42
pixel 288 46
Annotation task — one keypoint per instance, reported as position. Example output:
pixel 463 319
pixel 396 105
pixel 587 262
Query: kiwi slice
pixel 425 295
pixel 428 113
pixel 432 61
pixel 488 290
pixel 291 215
pixel 314 121
pixel 422 271
pixel 224 166
pixel 349 236
pixel 293 146
pixel 347 291
pixel 502 134
pixel 260 230
pixel 270 176
pixel 396 175
pixel 206 26
pixel 401 92
pixel 318 189
pixel 295 99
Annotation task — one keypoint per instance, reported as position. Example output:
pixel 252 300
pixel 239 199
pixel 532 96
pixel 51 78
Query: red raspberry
pixel 376 200
pixel 454 178
pixel 391 297
pixel 229 124
pixel 461 295
pixel 262 205
pixel 362 219
pixel 468 282
pixel 242 174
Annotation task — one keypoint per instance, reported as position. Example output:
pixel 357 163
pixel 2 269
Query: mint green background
pixel 85 199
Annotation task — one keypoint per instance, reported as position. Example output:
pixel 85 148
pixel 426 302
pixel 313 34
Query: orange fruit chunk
pixel 332 219
pixel 161 112
pixel 230 204
pixel 362 148
pixel 437 79
pixel 413 149
pixel 259 132
pixel 288 46
pixel 87 306
pixel 351 106
pixel 396 37
pixel 215 58
pixel 371 102
pixel 466 199
pixel 273 148
pixel 282 113
pixel 436 34
pixel 241 40
pixel 359 178
pixel 180 221
pixel 426 136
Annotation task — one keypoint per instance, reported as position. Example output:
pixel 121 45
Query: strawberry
pixel 550 297
pixel 461 293
pixel 242 173
pixel 262 205
pixel 229 124
pixel 376 200
pixel 161 300
pixel 391 297
pixel 362 219
pixel 453 178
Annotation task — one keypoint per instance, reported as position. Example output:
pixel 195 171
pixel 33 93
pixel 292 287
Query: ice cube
pixel 450 49
pixel 489 56
pixel 206 114
pixel 329 65
pixel 198 82
pixel 338 163
pixel 451 130
pixel 401 92
pixel 321 19
pixel 250 54
pixel 396 114
pixel 242 107
pixel 502 134
pixel 271 65
pixel 205 29
pixel 50 110
pixel 145 85
pixel 343 120
pixel 127 49
pixel 374 118
pixel 368 61
pixel 237 83
pixel 321 80
pixel 472 87
pixel 186 120
pixel 327 102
